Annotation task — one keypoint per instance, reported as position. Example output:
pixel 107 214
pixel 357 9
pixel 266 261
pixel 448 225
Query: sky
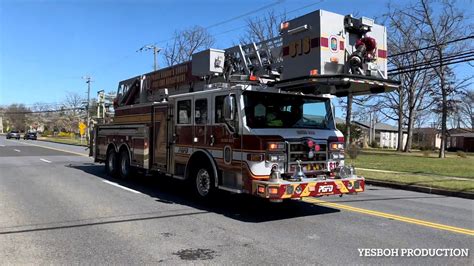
pixel 47 47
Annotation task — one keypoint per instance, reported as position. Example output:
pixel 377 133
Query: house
pixel 460 139
pixel 426 137
pixel 386 136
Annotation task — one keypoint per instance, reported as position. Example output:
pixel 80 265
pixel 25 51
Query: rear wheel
pixel 124 168
pixel 111 163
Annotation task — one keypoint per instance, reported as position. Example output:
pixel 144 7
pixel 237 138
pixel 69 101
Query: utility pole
pixel 155 49
pixel 88 81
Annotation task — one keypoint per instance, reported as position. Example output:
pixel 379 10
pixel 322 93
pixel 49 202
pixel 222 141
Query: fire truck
pixel 254 118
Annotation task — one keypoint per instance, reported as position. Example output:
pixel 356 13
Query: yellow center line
pixel 392 216
pixel 51 148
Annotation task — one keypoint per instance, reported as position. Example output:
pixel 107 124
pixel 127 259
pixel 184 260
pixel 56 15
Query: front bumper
pixel 308 187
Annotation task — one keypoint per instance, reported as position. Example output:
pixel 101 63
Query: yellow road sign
pixel 82 128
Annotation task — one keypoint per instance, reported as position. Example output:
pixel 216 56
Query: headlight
pixel 337 156
pixel 276 157
pixel 344 171
pixel 336 146
pixel 276 146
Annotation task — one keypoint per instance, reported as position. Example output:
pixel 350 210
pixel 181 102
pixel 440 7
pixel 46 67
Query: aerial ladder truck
pixel 254 118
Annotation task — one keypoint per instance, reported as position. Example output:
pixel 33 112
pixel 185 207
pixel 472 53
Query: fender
pixel 210 159
pixel 113 146
pixel 128 149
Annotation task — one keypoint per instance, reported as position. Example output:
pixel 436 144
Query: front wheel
pixel 204 182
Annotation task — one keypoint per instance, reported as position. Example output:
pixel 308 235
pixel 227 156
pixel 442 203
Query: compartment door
pixel 160 138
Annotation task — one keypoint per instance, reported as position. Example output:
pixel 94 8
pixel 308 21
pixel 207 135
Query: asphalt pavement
pixel 58 207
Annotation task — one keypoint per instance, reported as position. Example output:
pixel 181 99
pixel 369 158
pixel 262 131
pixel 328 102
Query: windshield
pixel 271 110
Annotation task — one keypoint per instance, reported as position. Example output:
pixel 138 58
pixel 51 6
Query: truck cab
pixel 256 140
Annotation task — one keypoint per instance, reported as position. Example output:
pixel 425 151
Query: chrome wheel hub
pixel 203 182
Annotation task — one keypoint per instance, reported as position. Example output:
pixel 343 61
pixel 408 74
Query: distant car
pixel 14 134
pixel 30 135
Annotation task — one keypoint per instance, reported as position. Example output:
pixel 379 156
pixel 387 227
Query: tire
pixel 124 168
pixel 111 163
pixel 203 182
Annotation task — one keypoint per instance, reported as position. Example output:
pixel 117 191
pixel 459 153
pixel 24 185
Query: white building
pixel 386 136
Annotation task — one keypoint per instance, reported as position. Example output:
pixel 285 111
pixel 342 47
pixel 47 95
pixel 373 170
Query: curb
pixel 466 195
pixel 70 144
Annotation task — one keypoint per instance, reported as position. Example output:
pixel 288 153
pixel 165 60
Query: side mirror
pixel 228 109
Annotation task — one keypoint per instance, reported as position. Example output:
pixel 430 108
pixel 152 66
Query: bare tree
pixel 426 33
pixel 74 101
pixel 441 26
pixel 347 104
pixel 263 28
pixel 71 115
pixel 185 43
pixel 405 41
pixel 466 109
pixel 16 116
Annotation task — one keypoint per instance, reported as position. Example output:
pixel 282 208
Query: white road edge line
pixel 122 187
pixel 16 150
pixel 51 148
pixel 44 160
pixel 1 145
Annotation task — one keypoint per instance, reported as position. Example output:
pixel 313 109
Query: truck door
pixel 201 122
pixel 182 135
pixel 226 141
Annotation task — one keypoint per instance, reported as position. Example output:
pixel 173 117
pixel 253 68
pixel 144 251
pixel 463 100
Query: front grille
pixel 299 150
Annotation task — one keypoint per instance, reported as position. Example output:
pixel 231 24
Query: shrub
pixel 353 151
pixel 66 134
pixel 47 133
pixel 374 144
pixel 461 154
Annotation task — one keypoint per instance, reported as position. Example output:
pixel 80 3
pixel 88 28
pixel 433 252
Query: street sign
pixel 82 128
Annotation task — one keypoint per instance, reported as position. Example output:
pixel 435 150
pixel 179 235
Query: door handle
pixel 211 140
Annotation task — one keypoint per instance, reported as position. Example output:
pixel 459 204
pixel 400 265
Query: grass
pixel 74 141
pixel 416 163
pixel 421 180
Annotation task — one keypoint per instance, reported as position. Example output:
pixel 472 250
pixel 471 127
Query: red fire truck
pixel 253 118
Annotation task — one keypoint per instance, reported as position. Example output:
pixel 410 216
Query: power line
pixel 45 111
pixel 245 14
pixel 428 66
pixel 266 20
pixel 249 13
pixel 232 19
pixel 433 46
pixel 449 58
pixel 224 32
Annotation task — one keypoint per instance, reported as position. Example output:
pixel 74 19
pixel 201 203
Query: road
pixel 59 207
